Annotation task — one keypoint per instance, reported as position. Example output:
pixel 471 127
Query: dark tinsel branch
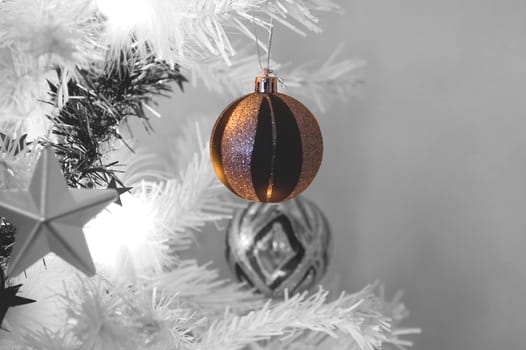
pixel 12 146
pixel 98 103
pixel 7 239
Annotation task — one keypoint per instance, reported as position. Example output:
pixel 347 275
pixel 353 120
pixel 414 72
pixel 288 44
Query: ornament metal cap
pixel 266 84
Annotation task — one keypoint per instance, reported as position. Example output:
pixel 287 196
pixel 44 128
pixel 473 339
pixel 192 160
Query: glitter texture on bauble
pixel 266 146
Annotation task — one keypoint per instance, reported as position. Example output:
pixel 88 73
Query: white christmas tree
pixel 73 72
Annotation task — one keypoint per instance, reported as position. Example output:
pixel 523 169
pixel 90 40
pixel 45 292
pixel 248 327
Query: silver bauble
pixel 273 247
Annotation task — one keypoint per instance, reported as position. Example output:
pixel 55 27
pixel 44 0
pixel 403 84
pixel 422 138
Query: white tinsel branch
pixel 158 219
pixel 394 309
pixel 353 315
pixel 323 83
pixel 201 197
pixel 201 286
pixel 36 38
pixel 176 30
pixel 319 83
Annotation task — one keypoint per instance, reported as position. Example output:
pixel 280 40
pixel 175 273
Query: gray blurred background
pixel 424 178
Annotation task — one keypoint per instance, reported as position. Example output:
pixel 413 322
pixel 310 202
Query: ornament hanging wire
pixel 266 69
pixel 270 34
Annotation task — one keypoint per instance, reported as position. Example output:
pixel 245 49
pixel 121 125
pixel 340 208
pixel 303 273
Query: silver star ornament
pixel 49 217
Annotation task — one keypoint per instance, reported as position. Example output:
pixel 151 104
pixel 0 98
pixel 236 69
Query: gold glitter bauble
pixel 273 247
pixel 266 146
